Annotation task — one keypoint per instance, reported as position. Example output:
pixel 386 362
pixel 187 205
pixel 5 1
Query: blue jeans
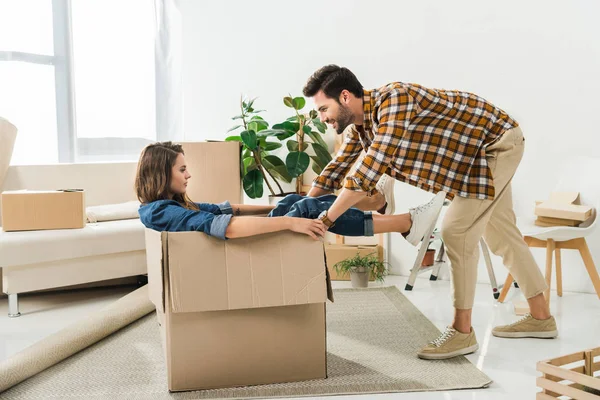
pixel 353 222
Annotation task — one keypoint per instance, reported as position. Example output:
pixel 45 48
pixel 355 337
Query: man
pixel 440 141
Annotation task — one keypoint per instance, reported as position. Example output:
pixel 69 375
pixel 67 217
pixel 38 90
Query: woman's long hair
pixel 153 177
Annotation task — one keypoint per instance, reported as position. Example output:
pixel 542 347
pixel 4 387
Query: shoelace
pixel 448 333
pixel 523 318
pixel 422 207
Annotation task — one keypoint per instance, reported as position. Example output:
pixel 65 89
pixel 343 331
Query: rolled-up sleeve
pixel 219 225
pixel 331 176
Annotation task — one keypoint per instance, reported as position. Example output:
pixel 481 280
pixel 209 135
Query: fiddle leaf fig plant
pixel 257 163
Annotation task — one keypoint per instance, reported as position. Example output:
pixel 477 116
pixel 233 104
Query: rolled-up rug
pixel 74 338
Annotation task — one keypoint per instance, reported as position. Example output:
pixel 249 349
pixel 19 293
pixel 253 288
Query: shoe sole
pixel 535 335
pixel 432 227
pixel 444 356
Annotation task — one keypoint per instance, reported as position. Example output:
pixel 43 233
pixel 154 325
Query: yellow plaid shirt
pixel 429 138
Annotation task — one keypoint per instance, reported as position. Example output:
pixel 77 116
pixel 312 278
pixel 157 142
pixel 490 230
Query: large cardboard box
pixel 239 312
pixel 215 170
pixel 339 252
pixel 27 210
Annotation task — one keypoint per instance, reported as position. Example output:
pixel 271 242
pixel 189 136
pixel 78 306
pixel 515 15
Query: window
pixel 77 78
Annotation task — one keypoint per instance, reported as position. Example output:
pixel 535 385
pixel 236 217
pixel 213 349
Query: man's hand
pixel 317 191
pixel 312 227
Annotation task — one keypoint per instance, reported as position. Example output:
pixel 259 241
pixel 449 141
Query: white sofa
pixel 37 260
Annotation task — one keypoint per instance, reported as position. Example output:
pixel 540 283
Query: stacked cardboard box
pixel 242 311
pixel 28 210
pixel 562 209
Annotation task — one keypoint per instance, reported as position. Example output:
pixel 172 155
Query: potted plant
pixel 257 163
pixel 360 268
pixel 307 129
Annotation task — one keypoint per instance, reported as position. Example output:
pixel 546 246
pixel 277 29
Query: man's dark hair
pixel 332 80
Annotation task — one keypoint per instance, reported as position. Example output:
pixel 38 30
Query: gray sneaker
pixel 424 218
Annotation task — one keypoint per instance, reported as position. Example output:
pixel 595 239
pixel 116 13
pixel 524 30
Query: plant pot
pixel 429 258
pixel 359 277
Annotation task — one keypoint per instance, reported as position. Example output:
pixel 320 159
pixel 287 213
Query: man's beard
pixel 343 119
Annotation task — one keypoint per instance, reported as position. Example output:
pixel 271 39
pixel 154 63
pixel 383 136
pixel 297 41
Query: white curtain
pixel 168 54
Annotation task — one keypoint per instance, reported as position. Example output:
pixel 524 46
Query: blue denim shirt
pixel 169 215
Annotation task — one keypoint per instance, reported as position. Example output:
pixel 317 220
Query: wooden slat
pixel 567 359
pixel 544 396
pixel 596 366
pixel 564 390
pixel 588 361
pixel 569 375
pixel 595 352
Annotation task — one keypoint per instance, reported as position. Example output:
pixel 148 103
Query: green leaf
pixel 271 132
pixel 293 119
pixel 249 139
pixel 317 138
pixel 246 153
pixel 306 129
pixel 234 128
pixel 249 164
pixel 257 124
pixel 276 167
pixel 285 135
pixel 298 103
pixel 312 114
pixel 316 167
pixel 255 111
pixel 292 145
pixel 253 184
pixel 270 146
pixel 233 139
pixel 322 153
pixel 287 125
pixel 297 162
pixel 238 117
pixel 288 101
pixel 319 125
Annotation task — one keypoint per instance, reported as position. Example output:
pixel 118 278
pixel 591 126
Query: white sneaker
pixel 385 186
pixel 424 218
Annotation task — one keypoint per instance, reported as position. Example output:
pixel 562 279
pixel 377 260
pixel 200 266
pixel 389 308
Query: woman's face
pixel 179 176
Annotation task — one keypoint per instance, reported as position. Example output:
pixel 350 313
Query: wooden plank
pixel 567 359
pixel 544 396
pixel 564 390
pixel 569 375
pixel 595 351
pixel 588 361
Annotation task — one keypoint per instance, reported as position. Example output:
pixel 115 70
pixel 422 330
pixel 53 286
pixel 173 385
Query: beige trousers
pixel 467 220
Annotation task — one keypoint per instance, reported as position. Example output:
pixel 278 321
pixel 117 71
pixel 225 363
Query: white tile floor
pixel 509 362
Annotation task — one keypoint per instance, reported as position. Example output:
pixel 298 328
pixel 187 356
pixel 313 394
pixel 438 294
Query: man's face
pixel 332 112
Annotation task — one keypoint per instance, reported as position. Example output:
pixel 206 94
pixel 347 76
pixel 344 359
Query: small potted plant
pixel 360 268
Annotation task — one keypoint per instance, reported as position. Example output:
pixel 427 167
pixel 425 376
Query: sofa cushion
pixel 22 248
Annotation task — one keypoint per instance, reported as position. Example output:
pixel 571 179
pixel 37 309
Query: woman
pixel 161 185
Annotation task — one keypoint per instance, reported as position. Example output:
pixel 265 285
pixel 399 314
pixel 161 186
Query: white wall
pixel 538 60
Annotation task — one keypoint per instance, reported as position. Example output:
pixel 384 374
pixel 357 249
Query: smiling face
pixel 179 177
pixel 337 114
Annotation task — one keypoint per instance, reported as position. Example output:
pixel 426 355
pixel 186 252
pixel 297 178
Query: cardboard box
pixel 28 210
pixel 215 170
pixel 239 312
pixel 339 252
pixel 565 205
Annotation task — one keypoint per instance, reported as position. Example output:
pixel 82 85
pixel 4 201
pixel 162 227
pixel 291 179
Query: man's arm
pixel 394 116
pixel 331 176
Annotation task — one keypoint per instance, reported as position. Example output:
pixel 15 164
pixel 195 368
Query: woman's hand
pixel 314 228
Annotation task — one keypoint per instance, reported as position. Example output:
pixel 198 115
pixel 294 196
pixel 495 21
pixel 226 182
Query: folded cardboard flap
pixel 209 274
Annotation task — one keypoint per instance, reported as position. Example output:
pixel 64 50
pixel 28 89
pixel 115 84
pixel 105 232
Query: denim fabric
pixel 353 222
pixel 169 215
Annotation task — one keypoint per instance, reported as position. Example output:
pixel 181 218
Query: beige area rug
pixel 372 338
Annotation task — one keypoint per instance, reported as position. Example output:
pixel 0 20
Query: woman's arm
pixel 246 209
pixel 250 226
